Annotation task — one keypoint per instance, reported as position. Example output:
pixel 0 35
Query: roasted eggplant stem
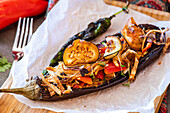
pixel 30 91
pixel 15 90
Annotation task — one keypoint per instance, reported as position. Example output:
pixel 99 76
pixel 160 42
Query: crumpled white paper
pixel 66 19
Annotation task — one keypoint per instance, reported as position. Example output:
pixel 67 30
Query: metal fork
pixel 22 37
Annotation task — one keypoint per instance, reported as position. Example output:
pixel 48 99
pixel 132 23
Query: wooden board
pixel 159 15
pixel 8 103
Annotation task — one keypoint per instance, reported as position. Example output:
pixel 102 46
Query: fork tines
pixel 23 34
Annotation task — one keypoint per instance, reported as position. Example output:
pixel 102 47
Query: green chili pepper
pixel 93 30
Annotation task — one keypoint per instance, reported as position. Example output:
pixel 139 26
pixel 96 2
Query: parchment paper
pixel 68 18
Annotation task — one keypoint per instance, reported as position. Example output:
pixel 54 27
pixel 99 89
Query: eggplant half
pixel 35 91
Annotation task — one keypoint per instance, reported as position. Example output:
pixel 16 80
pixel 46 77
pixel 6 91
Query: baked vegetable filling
pixel 86 65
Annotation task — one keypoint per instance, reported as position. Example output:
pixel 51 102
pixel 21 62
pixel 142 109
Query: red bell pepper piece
pixel 102 50
pixel 11 10
pixel 100 75
pixel 76 86
pixel 148 45
pixel 110 68
pixel 87 80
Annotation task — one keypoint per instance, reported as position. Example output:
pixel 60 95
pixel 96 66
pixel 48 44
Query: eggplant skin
pixel 152 55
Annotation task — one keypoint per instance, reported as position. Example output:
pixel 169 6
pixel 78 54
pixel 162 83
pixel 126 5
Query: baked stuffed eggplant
pixel 88 68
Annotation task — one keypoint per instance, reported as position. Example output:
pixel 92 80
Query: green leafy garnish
pixel 4 64
pixel 128 84
pixel 44 72
pixel 123 74
pixel 122 65
pixel 103 43
pixel 91 74
pixel 103 63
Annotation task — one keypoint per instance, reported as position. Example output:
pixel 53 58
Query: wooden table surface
pixel 8 104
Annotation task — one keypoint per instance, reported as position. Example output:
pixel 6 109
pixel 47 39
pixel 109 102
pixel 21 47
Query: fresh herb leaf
pixel 4 64
pixel 104 44
pixel 103 63
pixel 128 84
pixel 2 69
pixel 44 72
pixel 123 74
pixel 122 65
pixel 91 74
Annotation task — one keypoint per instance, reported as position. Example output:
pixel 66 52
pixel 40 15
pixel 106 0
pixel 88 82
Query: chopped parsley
pixel 122 65
pixel 4 64
pixel 123 74
pixel 91 74
pixel 103 43
pixel 44 72
pixel 128 84
pixel 102 63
